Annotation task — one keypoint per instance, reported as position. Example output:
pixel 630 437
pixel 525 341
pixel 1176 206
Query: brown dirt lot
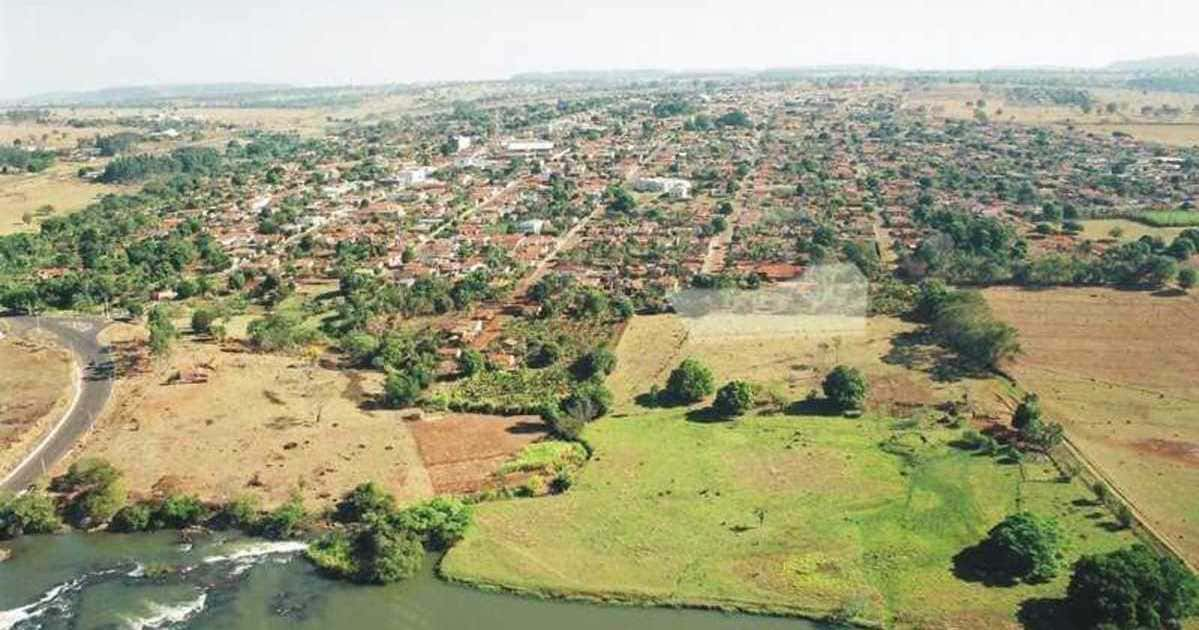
pixel 1121 370
pixel 35 388
pixel 261 424
pixel 268 424
pixel 463 451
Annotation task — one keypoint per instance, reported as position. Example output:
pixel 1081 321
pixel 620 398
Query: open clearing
pixel 260 424
pixel 35 388
pixel 1099 230
pixel 794 514
pixel 1120 369
pixel 269 424
pixel 57 186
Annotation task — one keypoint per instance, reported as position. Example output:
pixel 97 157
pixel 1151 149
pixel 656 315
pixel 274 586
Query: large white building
pixel 528 147
pixel 676 188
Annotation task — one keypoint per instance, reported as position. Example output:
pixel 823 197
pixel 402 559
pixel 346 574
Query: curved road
pixel 94 385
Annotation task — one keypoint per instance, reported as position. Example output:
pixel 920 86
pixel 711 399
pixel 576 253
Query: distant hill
pixel 150 94
pixel 1157 64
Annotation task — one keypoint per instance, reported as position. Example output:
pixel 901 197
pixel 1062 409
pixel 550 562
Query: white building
pixel 532 226
pixel 529 147
pixel 413 176
pixel 676 188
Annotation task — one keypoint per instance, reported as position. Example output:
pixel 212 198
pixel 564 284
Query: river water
pixel 100 581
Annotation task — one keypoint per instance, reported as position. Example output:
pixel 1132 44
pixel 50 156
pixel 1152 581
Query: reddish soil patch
pixel 463 452
pixel 1183 452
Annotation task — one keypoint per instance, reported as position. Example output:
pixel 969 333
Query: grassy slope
pixel 667 513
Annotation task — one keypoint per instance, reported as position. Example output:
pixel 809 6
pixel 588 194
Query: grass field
pixel 35 387
pixel 793 514
pixel 1118 370
pixel 57 186
pixel 1168 218
pixel 1100 229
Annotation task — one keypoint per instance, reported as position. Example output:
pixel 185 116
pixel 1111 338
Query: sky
pixel 54 45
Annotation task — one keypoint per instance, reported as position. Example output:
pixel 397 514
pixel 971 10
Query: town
pixel 466 294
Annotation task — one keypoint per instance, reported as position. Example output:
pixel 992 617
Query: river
pixel 100 581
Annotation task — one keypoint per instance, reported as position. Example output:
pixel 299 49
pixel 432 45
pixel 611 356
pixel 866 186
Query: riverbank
pixel 148 580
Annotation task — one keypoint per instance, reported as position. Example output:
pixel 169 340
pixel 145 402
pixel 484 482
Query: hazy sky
pixel 51 45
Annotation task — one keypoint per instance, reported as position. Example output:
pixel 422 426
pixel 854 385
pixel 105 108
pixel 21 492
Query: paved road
pixel 94 387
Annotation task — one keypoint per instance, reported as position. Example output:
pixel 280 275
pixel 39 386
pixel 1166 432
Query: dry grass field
pixel 886 349
pixel 256 424
pixel 57 186
pixel 1121 370
pixel 949 101
pixel 222 422
pixel 35 388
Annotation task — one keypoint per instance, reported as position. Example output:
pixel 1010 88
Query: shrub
pixel 362 501
pixel 30 513
pixel 283 521
pixel 599 362
pixel 384 555
pixel 1124 516
pixel 688 383
pixel 438 522
pixel 1131 588
pixel 239 513
pixel 734 399
pixel 471 362
pixel 179 511
pixel 202 321
pixel 544 355
pixel 332 554
pixel 135 517
pixel 1187 278
pixel 96 489
pixel 588 401
pixel 845 387
pixel 400 390
pixel 1027 412
pixel 1025 546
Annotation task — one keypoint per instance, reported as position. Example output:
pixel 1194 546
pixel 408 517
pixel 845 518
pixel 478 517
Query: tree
pixel 400 389
pixel 734 399
pixel 597 363
pixel 619 200
pixel 29 513
pixel 162 331
pixel 1131 588
pixel 1187 278
pixel 588 401
pixel 1025 546
pixel 364 500
pixel 688 383
pixel 471 362
pixel 202 321
pixel 846 388
pixel 1027 412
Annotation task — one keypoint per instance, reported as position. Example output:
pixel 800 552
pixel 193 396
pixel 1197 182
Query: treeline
pixel 978 250
pixel 962 321
pixel 16 158
pixel 119 142
pixel 184 160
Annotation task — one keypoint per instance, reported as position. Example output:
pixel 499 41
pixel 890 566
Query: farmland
pixel 1113 367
